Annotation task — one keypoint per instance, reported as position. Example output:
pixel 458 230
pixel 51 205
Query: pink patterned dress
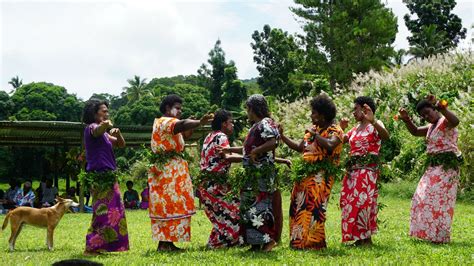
pixel 359 187
pixel 432 207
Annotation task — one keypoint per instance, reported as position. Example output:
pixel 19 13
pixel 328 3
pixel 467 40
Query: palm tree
pixel 137 89
pixel 431 43
pixel 16 82
pixel 398 57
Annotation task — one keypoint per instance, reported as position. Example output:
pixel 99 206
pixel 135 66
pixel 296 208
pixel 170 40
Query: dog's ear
pixel 59 199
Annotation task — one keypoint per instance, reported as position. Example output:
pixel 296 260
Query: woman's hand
pixel 206 119
pixel 344 123
pixel 253 156
pixel 222 151
pixel 280 129
pixel 107 124
pixel 115 132
pixel 403 114
pixel 368 114
pixel 438 104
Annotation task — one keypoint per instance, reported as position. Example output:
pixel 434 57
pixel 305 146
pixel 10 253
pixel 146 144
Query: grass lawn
pixel 392 244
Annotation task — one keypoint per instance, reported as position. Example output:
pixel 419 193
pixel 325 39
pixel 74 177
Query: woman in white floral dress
pixel 433 202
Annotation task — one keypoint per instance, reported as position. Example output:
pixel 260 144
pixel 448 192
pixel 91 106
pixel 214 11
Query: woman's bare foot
pixel 269 246
pixel 174 248
pixel 167 246
pixel 364 242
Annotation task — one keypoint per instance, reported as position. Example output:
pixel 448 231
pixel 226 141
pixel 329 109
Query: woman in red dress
pixel 359 188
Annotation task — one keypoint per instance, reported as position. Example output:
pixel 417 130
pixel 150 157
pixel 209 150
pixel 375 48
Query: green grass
pixel 392 244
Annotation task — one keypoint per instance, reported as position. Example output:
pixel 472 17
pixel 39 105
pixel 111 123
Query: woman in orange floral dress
pixel 432 207
pixel 322 144
pixel 171 192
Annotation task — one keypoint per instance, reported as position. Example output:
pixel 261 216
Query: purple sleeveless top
pixel 99 154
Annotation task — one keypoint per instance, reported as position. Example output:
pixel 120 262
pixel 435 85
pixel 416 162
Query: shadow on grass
pixel 426 243
pixel 282 250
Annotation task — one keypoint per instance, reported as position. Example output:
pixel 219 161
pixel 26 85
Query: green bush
pixel 448 76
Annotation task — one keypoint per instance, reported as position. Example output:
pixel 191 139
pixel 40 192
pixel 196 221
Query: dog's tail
pixel 5 222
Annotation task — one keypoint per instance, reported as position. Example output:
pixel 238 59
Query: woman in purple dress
pixel 108 231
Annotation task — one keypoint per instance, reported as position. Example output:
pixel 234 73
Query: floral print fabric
pixel 256 208
pixel 257 220
pixel 108 230
pixel 359 191
pixel 223 213
pixel 24 200
pixel 258 134
pixel 210 158
pixel 309 198
pixel 433 203
pixel 171 190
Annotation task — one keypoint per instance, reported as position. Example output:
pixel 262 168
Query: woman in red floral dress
pixel 359 187
pixel 432 207
pixel 214 190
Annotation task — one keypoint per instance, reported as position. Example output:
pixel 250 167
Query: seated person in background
pixel 41 188
pixel 38 194
pixel 49 194
pixel 130 197
pixel 145 194
pixel 25 196
pixel 9 199
pixel 70 194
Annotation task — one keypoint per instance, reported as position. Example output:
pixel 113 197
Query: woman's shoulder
pixel 165 119
pixel 267 122
pixel 90 127
pixel 165 122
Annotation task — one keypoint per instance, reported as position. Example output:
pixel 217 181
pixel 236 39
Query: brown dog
pixel 46 217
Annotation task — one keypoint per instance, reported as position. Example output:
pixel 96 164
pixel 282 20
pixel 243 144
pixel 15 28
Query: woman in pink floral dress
pixel 433 202
pixel 359 187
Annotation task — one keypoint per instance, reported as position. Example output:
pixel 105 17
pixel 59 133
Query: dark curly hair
pixel 324 105
pixel 91 108
pixel 129 182
pixel 361 100
pixel 220 117
pixel 258 105
pixel 423 104
pixel 169 100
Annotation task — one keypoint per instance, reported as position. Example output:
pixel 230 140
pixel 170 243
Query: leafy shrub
pixel 447 76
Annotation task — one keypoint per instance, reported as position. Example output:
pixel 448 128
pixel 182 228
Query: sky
pixel 95 46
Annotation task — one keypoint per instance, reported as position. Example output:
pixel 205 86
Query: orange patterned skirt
pixel 309 200
pixel 171 201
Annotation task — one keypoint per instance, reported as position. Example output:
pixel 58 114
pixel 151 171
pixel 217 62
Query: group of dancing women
pixel 254 215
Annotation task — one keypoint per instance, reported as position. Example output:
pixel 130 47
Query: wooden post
pixel 56 158
pixel 81 185
pixel 68 179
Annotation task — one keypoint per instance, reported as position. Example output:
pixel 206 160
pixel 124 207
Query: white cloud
pixel 94 46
